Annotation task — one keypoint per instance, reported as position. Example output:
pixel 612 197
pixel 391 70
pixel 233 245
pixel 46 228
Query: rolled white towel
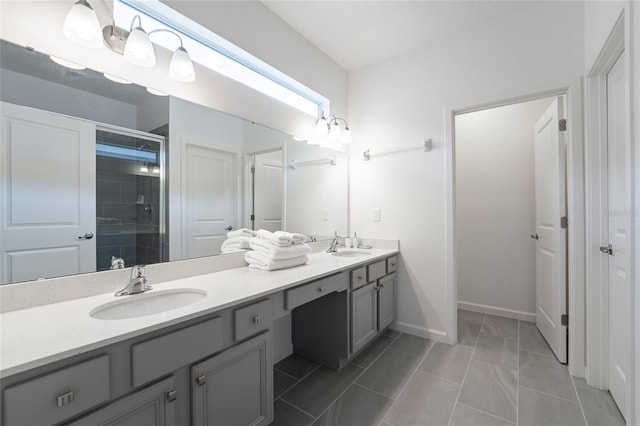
pixel 295 237
pixel 258 260
pixel 237 242
pixel 242 232
pixel 276 252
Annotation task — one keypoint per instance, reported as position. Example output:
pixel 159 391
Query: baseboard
pixel 493 310
pixel 429 333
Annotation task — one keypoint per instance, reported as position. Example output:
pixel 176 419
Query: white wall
pixel 495 207
pixel 21 89
pixel 397 103
pixel 248 24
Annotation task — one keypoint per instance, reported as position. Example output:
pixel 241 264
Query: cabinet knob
pixel 172 395
pixel 201 380
pixel 359 278
pixel 65 398
pixel 257 320
pixel 393 264
pixel 321 289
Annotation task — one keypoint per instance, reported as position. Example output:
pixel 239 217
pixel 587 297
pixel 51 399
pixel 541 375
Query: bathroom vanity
pixel 206 363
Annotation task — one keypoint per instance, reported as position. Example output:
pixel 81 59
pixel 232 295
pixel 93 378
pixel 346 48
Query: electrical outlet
pixel 375 215
pixel 325 215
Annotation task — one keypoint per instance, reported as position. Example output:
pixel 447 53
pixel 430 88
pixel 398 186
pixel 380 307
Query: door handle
pixel 535 236
pixel 607 250
pixel 86 236
pixel 229 228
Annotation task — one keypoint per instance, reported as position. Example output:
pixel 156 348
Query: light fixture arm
pixel 134 20
pixel 335 120
pixel 167 31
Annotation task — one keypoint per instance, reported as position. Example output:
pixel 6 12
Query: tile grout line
pixel 299 409
pixel 286 374
pixel 518 377
pixel 575 389
pixel 358 376
pixel 466 371
pixel 433 343
pixel 550 394
pixel 484 412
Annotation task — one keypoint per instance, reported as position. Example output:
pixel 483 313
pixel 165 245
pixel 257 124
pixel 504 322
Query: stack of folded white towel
pixel 277 250
pixel 237 240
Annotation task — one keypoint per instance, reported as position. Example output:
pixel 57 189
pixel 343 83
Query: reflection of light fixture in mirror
pixel 156 92
pixel 144 168
pixel 66 63
pixel 116 79
pixel 331 128
pixel 82 26
pixel 322 126
pixel 155 169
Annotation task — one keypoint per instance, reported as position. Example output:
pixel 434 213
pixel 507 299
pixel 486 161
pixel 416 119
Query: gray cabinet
pixel 387 291
pixel 235 388
pixel 152 406
pixel 364 316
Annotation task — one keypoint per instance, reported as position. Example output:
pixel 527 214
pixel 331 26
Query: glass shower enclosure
pixel 130 207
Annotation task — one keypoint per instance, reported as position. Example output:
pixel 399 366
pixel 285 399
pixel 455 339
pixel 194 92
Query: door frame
pixel 247 202
pixel 597 292
pixel 575 214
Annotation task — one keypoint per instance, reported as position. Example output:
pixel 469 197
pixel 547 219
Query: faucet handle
pixel 137 271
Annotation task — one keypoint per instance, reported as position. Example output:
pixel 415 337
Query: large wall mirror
pixel 94 170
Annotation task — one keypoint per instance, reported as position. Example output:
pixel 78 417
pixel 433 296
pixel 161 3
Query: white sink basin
pixel 351 253
pixel 149 303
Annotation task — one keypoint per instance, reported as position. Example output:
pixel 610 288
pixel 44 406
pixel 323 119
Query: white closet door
pixel 551 246
pixel 48 171
pixel 619 190
pixel 208 199
pixel 268 191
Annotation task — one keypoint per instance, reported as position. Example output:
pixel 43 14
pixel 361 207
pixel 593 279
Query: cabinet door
pixel 235 388
pixel 152 406
pixel 363 316
pixel 387 289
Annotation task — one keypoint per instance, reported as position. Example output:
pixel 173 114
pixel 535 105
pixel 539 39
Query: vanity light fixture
pixel 66 63
pixel 155 169
pixel 331 128
pixel 144 168
pixel 82 26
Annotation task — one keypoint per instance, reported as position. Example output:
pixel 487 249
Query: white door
pixel 48 172
pixel 267 191
pixel 208 199
pixel 619 194
pixel 551 290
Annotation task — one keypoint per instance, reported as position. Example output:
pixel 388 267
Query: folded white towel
pixel 258 260
pixel 242 232
pixel 236 242
pixel 280 238
pixel 276 252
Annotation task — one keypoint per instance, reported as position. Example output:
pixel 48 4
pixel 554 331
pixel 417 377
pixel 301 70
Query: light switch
pixel 375 215
pixel 325 215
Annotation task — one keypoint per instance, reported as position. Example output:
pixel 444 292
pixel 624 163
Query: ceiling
pixel 359 33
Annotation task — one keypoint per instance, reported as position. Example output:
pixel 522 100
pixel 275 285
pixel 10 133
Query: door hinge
pixel 562 125
pixel 253 217
pixel 564 319
pixel 253 170
pixel 564 222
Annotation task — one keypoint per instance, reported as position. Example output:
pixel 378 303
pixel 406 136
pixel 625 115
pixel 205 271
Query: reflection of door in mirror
pixel 267 191
pixel 129 204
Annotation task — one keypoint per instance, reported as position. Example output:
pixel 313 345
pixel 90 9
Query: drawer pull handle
pixel 257 320
pixel 393 264
pixel 201 380
pixel 321 289
pixel 65 399
pixel 172 395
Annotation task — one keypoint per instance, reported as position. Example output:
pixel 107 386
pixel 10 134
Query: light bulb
pixel 66 63
pixel 138 49
pixel 181 67
pixel 322 127
pixel 82 26
pixel 346 136
pixel 156 169
pixel 334 132
pixel 144 168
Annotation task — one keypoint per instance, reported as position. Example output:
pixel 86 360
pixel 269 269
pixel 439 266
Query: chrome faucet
pixel 337 241
pixel 137 282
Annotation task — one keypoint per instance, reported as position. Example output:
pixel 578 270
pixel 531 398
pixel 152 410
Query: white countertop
pixel 40 335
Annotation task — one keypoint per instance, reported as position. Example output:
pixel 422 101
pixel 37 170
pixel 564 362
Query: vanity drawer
pixel 392 264
pixel 252 319
pixel 376 270
pixel 60 395
pixel 308 292
pixel 358 277
pixel 178 348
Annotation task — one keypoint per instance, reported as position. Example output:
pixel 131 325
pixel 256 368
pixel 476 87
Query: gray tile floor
pixel 501 373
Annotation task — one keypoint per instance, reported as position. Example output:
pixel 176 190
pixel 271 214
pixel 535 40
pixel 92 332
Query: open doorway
pixel 510 219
